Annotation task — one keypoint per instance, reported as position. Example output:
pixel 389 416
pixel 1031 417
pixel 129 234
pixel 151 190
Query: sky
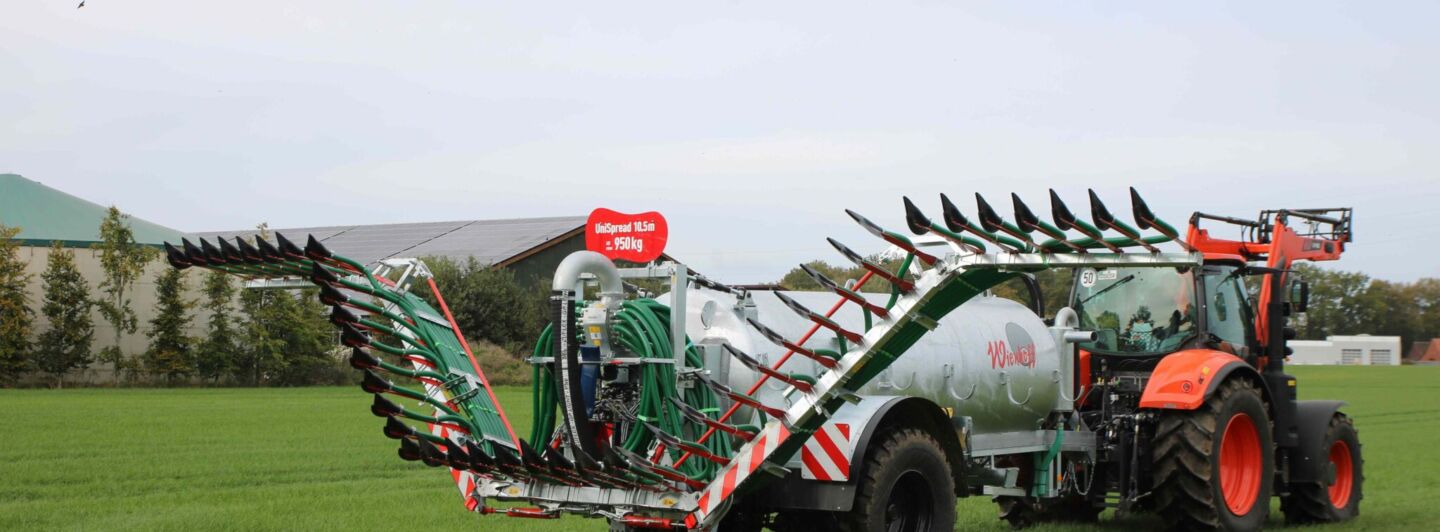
pixel 750 125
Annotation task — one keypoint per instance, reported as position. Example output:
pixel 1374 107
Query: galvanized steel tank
pixel 992 360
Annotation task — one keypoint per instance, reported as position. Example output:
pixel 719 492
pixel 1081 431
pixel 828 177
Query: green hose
pixel 895 290
pixel 642 327
pixel 1042 465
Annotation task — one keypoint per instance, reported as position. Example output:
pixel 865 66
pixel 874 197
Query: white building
pixel 1362 350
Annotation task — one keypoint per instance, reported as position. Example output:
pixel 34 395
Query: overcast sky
pixel 750 125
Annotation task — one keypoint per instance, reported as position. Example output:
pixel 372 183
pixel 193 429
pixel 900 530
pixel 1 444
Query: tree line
pixel 253 337
pixel 1351 302
pixel 282 338
pixel 1341 302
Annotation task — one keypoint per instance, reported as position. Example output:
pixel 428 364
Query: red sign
pixel 632 237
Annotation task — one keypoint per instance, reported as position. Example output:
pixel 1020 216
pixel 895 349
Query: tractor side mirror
pixel 1299 295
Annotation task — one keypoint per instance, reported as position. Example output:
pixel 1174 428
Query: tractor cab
pixel 1154 311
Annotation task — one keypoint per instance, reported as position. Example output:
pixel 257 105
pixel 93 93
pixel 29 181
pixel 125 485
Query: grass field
pixel 314 458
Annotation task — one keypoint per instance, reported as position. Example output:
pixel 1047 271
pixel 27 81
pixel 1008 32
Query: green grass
pixel 314 458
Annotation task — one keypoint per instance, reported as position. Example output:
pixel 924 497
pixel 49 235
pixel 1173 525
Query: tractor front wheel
pixel 1338 498
pixel 1213 466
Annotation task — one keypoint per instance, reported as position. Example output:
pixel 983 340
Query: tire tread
pixel 1310 503
pixel 867 493
pixel 1183 476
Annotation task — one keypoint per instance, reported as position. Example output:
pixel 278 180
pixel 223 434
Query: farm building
pixel 46 215
pixel 1361 350
pixel 532 247
pixel 1424 352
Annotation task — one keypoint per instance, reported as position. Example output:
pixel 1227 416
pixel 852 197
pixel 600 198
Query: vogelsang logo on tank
pixel 631 237
pixel 1017 349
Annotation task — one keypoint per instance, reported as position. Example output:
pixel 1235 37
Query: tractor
pixel 1160 387
pixel 1185 387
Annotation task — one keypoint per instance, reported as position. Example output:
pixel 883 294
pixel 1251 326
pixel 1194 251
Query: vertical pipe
pixel 679 283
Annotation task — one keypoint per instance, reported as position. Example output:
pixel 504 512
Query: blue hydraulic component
pixel 589 376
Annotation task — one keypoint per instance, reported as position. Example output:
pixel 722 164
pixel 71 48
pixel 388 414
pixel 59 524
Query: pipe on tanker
pixel 568 371
pixel 1066 328
pixel 581 262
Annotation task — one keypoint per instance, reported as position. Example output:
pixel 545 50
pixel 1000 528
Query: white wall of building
pixel 1313 352
pixel 142 301
pixel 1362 350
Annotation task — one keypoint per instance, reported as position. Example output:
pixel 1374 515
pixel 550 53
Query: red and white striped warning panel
pixel 464 480
pixel 826 455
pixel 747 461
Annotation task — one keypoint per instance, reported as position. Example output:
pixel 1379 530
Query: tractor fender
pixel 805 489
pixel 1311 459
pixel 1184 380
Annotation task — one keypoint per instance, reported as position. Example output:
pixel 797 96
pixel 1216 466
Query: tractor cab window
pixel 1136 310
pixel 1227 311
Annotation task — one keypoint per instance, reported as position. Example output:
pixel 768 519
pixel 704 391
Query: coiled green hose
pixel 641 327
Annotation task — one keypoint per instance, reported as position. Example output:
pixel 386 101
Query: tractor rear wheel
pixel 1213 466
pixel 1335 500
pixel 906 487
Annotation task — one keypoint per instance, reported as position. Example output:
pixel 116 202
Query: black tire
pixel 1313 502
pixel 906 487
pixel 742 517
pixel 1189 490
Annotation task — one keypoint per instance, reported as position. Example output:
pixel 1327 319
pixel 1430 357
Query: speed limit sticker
pixel 1087 277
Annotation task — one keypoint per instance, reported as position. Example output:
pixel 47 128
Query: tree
pixel 1425 295
pixel 1054 284
pixel 171 353
pixel 287 339
pixel 14 307
pixel 309 340
pixel 123 261
pixel 1054 290
pixel 214 355
pixel 1384 309
pixel 797 279
pixel 262 347
pixel 66 344
pixel 488 303
pixel 1333 307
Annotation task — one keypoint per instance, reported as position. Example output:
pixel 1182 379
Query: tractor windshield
pixel 1136 310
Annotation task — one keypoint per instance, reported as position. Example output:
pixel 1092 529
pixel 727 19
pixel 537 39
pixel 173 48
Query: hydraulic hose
pixel 578 427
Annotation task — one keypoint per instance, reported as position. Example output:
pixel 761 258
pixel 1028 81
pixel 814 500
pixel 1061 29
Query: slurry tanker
pixel 1160 387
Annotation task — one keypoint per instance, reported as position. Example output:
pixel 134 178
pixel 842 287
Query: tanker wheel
pixel 1213 466
pixel 1340 500
pixel 906 487
pixel 743 516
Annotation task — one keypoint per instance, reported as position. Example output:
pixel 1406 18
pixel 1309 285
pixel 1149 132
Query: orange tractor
pixel 1185 383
